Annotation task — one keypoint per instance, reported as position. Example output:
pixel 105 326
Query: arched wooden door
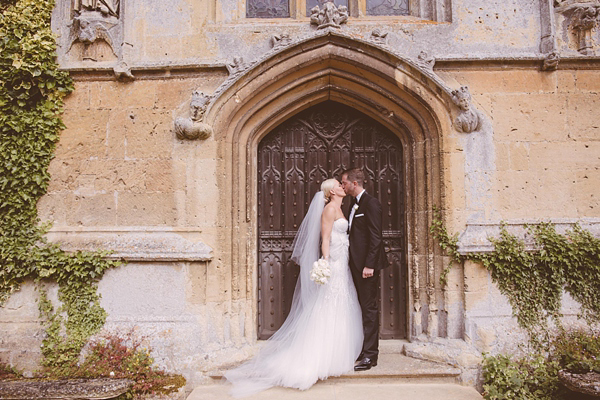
pixel 293 160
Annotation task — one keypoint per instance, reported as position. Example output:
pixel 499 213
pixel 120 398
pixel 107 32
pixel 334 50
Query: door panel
pixel 293 160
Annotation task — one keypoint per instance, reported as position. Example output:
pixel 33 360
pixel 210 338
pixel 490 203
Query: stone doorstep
pixel 92 389
pixel 395 368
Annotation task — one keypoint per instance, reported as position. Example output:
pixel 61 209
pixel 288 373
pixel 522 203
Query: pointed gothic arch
pixel 407 99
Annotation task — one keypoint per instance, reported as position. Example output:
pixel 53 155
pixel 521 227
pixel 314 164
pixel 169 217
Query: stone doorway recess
pixel 293 159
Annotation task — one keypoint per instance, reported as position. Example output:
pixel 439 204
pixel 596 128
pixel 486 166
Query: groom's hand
pixel 368 272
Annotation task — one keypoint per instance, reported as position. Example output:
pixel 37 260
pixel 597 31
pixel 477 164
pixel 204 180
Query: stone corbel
pixel 551 61
pixel 330 16
pixel 193 128
pixel 469 119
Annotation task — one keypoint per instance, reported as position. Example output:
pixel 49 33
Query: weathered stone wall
pixel 182 211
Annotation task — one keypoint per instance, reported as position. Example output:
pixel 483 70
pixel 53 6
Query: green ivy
pixel 533 279
pixel 32 89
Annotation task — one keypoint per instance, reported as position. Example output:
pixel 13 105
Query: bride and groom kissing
pixel 332 327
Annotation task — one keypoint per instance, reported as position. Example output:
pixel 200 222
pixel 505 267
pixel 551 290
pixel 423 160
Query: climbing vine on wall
pixel 533 278
pixel 32 89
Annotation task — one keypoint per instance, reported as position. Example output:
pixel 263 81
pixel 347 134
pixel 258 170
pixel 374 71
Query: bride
pixel 323 334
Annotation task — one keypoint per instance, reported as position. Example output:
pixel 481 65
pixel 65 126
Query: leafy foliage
pixel 32 89
pixel 528 378
pixel 536 376
pixel 533 279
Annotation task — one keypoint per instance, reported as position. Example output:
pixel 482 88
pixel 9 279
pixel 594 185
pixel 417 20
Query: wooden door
pixel 293 160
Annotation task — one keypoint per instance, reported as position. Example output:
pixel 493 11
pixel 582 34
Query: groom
pixel 367 258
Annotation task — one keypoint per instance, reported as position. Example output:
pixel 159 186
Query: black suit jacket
pixel 366 235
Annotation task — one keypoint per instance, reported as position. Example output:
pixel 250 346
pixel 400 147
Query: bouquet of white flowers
pixel 320 272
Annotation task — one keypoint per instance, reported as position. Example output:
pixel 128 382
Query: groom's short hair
pixel 355 174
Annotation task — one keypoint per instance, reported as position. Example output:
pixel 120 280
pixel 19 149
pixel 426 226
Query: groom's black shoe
pixel 359 358
pixel 365 364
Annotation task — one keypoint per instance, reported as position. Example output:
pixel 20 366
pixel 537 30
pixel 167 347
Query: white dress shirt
pixel 354 209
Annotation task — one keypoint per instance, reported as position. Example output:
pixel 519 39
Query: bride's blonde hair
pixel 326 187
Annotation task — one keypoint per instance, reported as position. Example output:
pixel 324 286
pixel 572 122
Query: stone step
pixel 365 390
pixel 394 368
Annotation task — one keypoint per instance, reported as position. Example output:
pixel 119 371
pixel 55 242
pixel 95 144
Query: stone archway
pixel 409 101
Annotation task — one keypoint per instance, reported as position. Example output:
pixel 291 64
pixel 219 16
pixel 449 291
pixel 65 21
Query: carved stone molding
pixel 135 243
pixel 469 119
pixel 379 37
pixel 280 41
pixel 194 128
pixel 476 237
pixel 330 16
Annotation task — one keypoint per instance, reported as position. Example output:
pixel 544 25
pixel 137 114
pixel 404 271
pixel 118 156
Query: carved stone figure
pixel 585 18
pixel 329 16
pixel 425 61
pixel 88 28
pixel 194 128
pixel 551 61
pixel 379 37
pixel 185 128
pixel 106 7
pixel 469 119
pixel 236 67
pixel 198 105
pixel 280 41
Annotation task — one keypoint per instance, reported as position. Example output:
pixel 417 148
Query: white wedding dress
pixel 322 339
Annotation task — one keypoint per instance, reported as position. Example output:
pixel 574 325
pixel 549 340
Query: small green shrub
pixel 528 378
pixel 577 351
pixel 7 372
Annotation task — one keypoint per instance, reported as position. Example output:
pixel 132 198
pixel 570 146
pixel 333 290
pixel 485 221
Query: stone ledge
pixel 475 237
pixel 135 243
pixel 104 388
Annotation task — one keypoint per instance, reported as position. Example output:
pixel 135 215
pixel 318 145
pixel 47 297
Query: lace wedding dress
pixel 323 338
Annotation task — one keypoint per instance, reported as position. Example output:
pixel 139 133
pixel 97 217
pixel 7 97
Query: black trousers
pixel 367 290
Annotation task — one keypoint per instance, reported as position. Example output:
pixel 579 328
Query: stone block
pixel 519 156
pixel 507 81
pixel 565 81
pixel 52 207
pixel 63 172
pixel 530 117
pixel 503 156
pixel 78 99
pixel 587 193
pixel 99 209
pixel 143 290
pixel 140 134
pixel 564 155
pixel 159 176
pixel 587 80
pixel 115 95
pixel 85 135
pixel 116 175
pixel 146 209
pixel 584 123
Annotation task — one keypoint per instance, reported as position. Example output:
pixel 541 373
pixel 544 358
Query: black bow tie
pixel 354 201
